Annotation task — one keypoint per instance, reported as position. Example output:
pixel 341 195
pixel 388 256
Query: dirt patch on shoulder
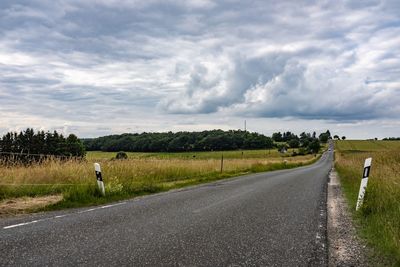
pixel 22 205
pixel 345 249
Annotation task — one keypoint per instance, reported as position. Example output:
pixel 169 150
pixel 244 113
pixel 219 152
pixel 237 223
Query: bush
pixel 121 155
pixel 282 148
pixel 302 151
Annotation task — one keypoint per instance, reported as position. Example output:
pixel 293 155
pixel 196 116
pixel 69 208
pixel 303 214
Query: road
pixel 265 219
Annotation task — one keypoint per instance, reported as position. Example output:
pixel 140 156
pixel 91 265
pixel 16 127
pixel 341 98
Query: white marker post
pixel 364 182
pixel 99 178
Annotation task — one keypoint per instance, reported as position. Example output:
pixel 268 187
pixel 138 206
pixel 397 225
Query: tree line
pixel 306 142
pixel 29 142
pixel 213 140
pixel 304 137
pixel 391 139
pixel 180 141
pixel 40 143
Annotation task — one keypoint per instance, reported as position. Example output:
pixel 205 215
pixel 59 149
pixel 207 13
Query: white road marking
pixel 61 216
pixel 112 205
pixel 102 207
pixel 84 211
pixel 20 224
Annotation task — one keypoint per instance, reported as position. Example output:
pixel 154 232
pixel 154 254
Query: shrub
pixel 121 155
pixel 302 151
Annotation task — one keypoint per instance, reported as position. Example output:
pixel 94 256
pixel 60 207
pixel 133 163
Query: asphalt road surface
pixel 266 219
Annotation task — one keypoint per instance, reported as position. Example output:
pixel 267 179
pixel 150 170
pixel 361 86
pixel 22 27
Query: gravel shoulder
pixel 17 206
pixel 345 248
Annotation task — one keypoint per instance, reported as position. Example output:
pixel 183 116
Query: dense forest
pixel 180 141
pixel 29 142
pixel 204 141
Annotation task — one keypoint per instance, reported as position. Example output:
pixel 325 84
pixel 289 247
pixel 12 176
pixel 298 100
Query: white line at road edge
pixel 21 224
pixel 64 215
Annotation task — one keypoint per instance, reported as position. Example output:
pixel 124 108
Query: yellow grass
pixel 141 173
pixel 380 214
pixel 132 170
pixel 76 181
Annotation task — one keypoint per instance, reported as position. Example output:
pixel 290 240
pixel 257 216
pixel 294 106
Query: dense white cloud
pixel 97 67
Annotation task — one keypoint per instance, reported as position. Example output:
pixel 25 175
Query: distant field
pixel 379 217
pixel 236 154
pixel 367 146
pixel 141 173
pixel 232 154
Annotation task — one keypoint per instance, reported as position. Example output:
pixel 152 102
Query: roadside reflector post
pixel 364 182
pixel 99 178
pixel 222 162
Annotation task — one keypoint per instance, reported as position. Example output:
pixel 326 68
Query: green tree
pixel 323 137
pixel 269 143
pixel 181 141
pixel 74 146
pixel 314 146
pixel 328 133
pixel 27 144
pixel 277 137
pixel 294 143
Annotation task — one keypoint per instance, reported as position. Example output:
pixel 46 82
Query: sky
pixel 100 67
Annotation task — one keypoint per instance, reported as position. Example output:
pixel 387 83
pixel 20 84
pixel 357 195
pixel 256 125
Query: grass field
pixel 236 154
pixel 379 217
pixel 141 173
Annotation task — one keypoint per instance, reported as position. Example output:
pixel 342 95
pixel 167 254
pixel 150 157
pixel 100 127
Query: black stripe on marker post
pixel 98 176
pixel 366 171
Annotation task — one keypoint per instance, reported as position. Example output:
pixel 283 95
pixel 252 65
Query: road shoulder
pixel 345 248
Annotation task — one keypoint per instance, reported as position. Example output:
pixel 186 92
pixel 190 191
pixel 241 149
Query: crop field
pixel 141 173
pixel 379 217
pixel 366 146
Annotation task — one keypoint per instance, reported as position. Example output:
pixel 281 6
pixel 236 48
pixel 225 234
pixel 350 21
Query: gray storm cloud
pixel 78 62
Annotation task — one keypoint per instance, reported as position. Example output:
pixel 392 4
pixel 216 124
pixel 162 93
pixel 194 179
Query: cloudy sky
pixel 97 67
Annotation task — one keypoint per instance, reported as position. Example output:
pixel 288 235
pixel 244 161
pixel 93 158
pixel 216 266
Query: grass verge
pixel 379 218
pixel 127 178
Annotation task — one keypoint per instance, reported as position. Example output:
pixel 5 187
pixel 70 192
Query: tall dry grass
pixel 81 172
pixel 75 179
pixel 380 214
